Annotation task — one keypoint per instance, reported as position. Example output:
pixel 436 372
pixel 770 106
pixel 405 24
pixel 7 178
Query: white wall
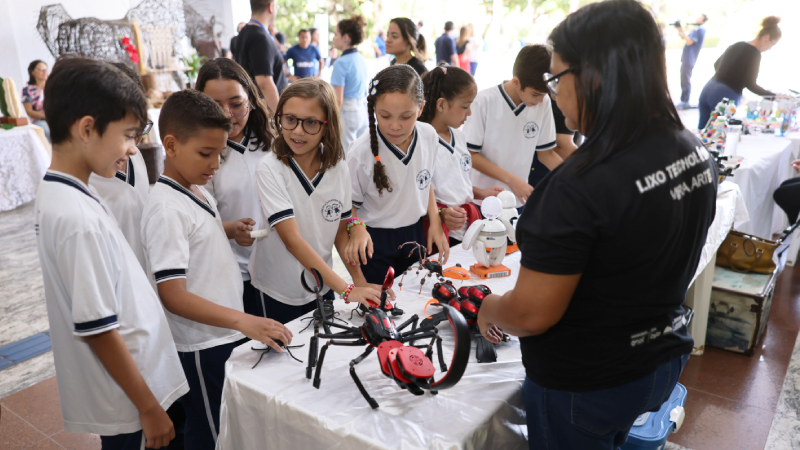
pixel 20 42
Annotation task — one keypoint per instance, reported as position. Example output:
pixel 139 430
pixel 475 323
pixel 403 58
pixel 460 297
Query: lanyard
pixel 265 28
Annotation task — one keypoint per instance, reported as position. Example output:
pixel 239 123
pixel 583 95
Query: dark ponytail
pixel 412 36
pixel 447 82
pixel 398 78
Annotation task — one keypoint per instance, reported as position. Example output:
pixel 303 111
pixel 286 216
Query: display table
pixel 730 209
pixel 766 166
pixel 274 406
pixel 23 162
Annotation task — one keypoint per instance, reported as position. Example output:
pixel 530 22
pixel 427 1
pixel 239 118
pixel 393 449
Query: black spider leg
pixel 268 349
pixel 370 400
pixel 357 311
pixel 263 352
pixel 289 351
pixel 310 321
pixel 322 352
pixel 312 353
pixel 412 321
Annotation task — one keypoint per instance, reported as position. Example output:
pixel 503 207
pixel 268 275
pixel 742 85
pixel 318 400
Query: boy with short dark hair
pixel 116 363
pixel 303 56
pixel 509 123
pixel 197 276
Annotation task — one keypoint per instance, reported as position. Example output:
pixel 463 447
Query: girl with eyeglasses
pixel 228 84
pixel 303 187
pixel 609 241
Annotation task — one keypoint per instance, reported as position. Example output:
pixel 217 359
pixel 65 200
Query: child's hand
pixel 521 189
pixel 796 165
pixel 454 217
pixel 436 236
pixel 157 427
pixel 359 246
pixel 494 190
pixel 362 294
pixel 391 296
pixel 243 227
pixel 264 330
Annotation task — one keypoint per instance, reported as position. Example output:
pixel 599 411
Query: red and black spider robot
pixel 467 300
pixel 407 365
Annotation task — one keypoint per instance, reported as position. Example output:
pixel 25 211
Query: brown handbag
pixel 745 253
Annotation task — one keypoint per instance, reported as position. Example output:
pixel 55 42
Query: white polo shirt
pixel 410 175
pixel 93 283
pixel 234 188
pixel 125 196
pixel 318 205
pixel 507 135
pixel 184 238
pixel 451 183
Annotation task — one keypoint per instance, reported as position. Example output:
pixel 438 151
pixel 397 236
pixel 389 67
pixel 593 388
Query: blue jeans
pixel 713 92
pixel 686 82
pixel 595 420
pixel 473 66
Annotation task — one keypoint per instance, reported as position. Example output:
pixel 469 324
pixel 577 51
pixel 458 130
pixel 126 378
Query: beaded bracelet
pixel 346 293
pixel 353 222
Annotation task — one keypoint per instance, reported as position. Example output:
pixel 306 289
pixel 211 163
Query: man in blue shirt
pixel 446 46
pixel 303 56
pixel 380 45
pixel 694 42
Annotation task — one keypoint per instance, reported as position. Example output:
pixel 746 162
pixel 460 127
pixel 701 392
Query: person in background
pixel 226 53
pixel 694 43
pixel 33 95
pixel 349 79
pixel 406 44
pixel 277 36
pixel 565 145
pixel 379 45
pixel 462 48
pixel 259 55
pixel 737 69
pixel 315 43
pixel 597 356
pixel 303 56
pixel 233 39
pixel 475 49
pixel 446 46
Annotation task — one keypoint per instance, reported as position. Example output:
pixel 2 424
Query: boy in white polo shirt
pixel 196 272
pixel 126 193
pixel 509 123
pixel 116 364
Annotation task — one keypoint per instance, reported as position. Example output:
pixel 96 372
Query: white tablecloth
pixel 23 162
pixel 274 406
pixel 765 167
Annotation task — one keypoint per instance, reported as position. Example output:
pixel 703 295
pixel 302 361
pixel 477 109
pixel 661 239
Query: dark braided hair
pixel 445 81
pixel 398 78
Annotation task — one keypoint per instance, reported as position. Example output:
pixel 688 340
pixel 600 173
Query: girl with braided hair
pixel 449 93
pixel 392 168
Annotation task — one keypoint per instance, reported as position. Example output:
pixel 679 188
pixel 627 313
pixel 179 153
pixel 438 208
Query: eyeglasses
pixel 237 110
pixel 552 80
pixel 310 126
pixel 147 127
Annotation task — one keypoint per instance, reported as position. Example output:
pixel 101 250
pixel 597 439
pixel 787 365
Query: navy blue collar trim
pixel 349 50
pixel 515 109
pixel 308 185
pixel 452 145
pixel 240 146
pixel 130 176
pixel 403 157
pixel 69 182
pixel 174 185
pixel 121 176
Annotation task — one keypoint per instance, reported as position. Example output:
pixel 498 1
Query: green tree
pixel 293 15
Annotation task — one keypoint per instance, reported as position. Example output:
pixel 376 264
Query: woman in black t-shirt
pixel 609 240
pixel 404 41
pixel 737 69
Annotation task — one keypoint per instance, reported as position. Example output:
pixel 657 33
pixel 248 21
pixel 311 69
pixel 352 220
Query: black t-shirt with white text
pixel 634 226
pixel 259 55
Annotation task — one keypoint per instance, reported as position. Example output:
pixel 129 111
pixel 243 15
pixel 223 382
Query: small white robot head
pixel 508 199
pixel 491 207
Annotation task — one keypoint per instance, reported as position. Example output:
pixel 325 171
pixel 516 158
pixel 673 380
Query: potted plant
pixel 193 63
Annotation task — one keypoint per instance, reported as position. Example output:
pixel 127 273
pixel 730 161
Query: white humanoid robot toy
pixel 487 238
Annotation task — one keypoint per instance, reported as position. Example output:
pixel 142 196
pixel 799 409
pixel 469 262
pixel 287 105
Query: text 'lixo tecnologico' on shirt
pixel 674 170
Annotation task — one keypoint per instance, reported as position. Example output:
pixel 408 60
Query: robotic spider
pixel 431 265
pixel 407 365
pixel 467 300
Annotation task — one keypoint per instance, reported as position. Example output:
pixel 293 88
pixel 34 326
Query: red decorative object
pixel 133 54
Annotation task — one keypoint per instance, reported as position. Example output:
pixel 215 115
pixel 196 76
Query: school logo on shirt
pixel 332 210
pixel 466 163
pixel 531 130
pixel 423 179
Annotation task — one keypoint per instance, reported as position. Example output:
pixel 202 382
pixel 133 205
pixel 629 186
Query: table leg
pixel 698 297
pixel 794 246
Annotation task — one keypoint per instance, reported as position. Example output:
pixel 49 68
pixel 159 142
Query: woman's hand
pixel 436 236
pixel 359 247
pixel 488 330
pixel 454 217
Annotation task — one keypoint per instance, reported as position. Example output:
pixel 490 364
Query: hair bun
pixel 771 21
pixel 359 19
